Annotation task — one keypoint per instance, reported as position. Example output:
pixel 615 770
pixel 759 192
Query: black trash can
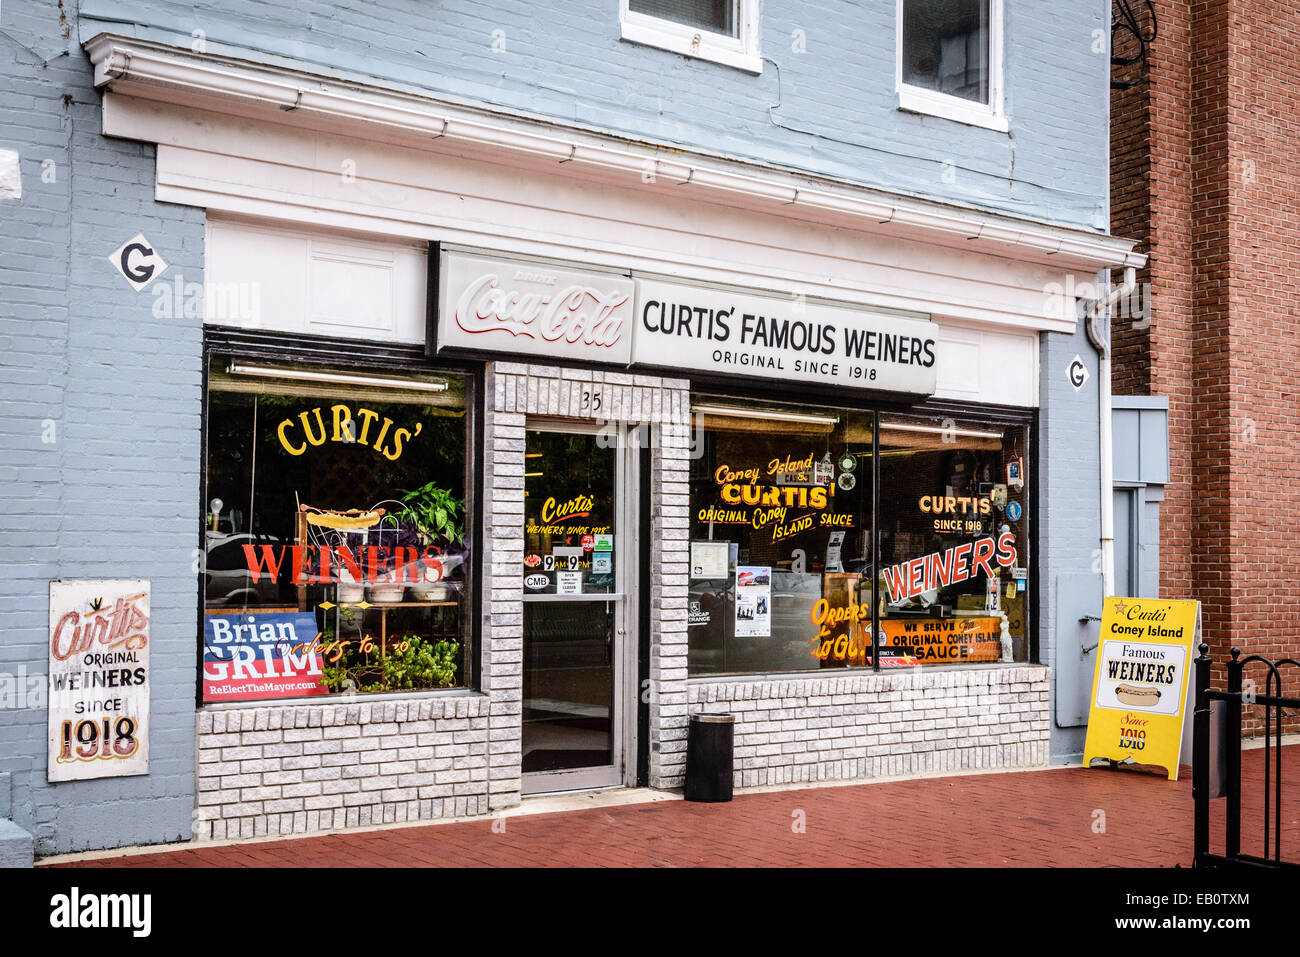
pixel 709 757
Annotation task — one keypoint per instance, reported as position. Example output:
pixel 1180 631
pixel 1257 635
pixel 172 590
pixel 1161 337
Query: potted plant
pixel 436 514
pixel 398 531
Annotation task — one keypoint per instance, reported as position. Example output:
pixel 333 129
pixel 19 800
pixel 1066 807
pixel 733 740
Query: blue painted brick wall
pixel 116 493
pixel 1069 496
pixel 837 110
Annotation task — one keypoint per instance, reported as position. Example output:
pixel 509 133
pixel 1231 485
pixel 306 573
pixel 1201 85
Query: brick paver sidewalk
pixel 1033 818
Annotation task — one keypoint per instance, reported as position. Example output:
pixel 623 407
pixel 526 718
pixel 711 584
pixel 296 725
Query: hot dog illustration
pixel 1137 697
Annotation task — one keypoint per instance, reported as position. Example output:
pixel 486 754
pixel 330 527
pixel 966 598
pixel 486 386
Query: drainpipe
pixel 1099 336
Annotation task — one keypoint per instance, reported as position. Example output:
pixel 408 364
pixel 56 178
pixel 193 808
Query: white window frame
pixel 740 51
pixel 915 99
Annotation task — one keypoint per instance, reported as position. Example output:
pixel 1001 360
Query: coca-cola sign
pixel 533 309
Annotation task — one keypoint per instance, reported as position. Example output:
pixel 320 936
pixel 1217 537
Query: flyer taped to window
pixel 753 601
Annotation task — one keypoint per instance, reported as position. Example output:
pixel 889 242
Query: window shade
pixel 716 16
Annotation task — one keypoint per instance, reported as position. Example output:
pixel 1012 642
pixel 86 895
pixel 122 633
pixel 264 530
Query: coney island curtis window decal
pixel 503 305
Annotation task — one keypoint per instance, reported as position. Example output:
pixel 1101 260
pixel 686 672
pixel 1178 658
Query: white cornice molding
pixel 132 66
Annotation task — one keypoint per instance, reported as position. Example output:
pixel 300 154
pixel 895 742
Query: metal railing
pixel 1226 756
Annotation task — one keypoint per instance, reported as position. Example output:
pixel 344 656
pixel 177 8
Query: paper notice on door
pixel 709 559
pixel 834 562
pixel 568 583
pixel 753 601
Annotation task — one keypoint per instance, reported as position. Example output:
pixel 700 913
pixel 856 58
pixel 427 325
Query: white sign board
pixel 1077 373
pixel 533 309
pixel 99 679
pixel 680 326
pixel 138 262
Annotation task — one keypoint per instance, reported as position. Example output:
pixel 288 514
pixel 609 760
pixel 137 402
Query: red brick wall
pixel 1263 176
pixel 1205 170
pixel 1151 199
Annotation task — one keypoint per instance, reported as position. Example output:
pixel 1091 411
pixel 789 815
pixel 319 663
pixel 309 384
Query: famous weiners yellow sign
pixel 1139 690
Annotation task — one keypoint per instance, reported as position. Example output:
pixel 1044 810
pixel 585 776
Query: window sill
pixel 323 701
pixel 712 47
pixel 862 671
pixel 953 108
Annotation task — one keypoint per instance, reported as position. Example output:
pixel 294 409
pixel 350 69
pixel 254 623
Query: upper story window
pixel 950 60
pixel 725 31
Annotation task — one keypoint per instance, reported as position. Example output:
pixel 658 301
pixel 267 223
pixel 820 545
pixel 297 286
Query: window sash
pixel 739 49
pixel 919 99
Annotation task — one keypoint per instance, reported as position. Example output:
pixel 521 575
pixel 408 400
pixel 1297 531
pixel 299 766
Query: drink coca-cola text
pixel 575 313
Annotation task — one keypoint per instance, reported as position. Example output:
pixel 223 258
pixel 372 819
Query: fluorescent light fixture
pixel 340 378
pixel 765 415
pixel 939 430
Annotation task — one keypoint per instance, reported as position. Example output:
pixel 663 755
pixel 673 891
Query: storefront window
pixel 336 532
pixel 780 563
pixel 781 573
pixel 954 542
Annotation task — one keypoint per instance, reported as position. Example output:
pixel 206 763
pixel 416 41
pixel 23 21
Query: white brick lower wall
pixel 290 769
pixel 867 725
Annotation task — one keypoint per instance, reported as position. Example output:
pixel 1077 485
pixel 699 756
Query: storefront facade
pixel 643 546
pixel 644 533
pixel 508 444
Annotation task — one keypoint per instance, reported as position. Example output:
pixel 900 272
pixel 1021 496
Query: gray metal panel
pixel 1139 402
pixel 1077 595
pixel 1125 444
pixel 1149 546
pixel 1218 746
pixel 1125 536
pixel 1154 446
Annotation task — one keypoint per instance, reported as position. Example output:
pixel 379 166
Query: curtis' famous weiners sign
pixel 531 308
pixel 98 719
pixel 754 334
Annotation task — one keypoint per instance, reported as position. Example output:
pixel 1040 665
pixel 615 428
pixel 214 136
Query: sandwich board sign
pixel 1139 690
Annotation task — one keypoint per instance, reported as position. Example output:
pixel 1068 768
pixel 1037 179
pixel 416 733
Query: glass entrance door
pixel 577 654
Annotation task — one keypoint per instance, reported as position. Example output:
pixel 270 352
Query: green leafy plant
pixel 333 676
pixel 422 665
pixel 436 513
